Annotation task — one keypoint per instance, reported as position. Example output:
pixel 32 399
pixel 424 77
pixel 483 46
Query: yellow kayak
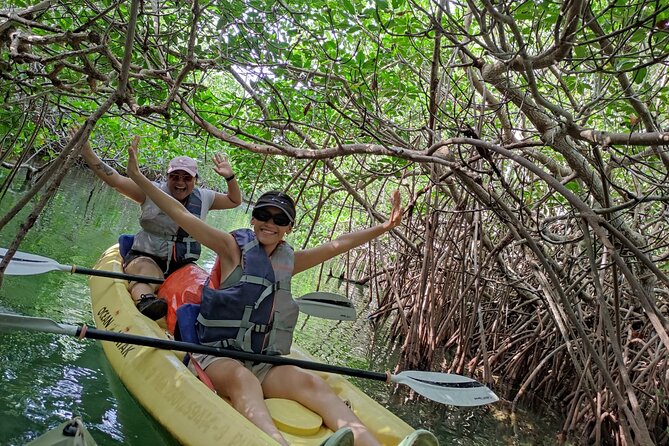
pixel 194 414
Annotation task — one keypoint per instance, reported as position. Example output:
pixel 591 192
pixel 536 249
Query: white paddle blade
pixel 327 306
pixel 445 388
pixel 23 264
pixel 10 321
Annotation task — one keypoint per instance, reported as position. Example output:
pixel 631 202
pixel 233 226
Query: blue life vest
pixel 257 313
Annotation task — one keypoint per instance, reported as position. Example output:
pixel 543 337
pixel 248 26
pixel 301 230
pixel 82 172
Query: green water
pixel 47 378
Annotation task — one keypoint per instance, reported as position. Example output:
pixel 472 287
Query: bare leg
pixel 311 391
pixel 232 380
pixel 142 266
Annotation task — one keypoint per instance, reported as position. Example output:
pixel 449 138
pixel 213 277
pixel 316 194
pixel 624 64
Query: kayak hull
pixel 69 433
pixel 181 403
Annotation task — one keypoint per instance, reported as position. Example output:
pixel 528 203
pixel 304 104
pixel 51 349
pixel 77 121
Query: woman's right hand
pixel 396 214
pixel 86 147
pixel 133 167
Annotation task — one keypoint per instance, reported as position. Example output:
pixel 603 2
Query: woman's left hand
pixel 222 166
pixel 396 214
pixel 133 168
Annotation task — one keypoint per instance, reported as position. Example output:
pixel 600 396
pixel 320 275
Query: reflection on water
pixel 48 378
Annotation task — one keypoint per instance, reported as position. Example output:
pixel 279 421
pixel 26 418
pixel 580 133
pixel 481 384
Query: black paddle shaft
pixel 165 344
pixel 113 275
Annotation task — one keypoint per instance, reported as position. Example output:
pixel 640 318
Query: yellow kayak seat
pixel 293 418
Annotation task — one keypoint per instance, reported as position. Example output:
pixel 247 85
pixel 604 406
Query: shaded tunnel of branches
pixel 529 142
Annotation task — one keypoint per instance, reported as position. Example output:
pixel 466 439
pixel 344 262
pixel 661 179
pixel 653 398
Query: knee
pixel 242 375
pixel 313 383
pixel 143 266
pixel 240 381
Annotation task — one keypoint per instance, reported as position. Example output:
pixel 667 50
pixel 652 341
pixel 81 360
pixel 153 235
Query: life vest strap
pixel 256 280
pixel 172 237
pixel 250 245
pixel 257 328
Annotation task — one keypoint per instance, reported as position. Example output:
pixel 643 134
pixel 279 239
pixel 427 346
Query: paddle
pixel 23 264
pixel 444 388
pixel 327 306
pixel 319 304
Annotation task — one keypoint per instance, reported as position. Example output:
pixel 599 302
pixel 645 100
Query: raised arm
pixel 234 196
pixel 220 242
pixel 109 175
pixel 308 258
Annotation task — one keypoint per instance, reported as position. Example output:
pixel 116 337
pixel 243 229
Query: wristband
pixel 230 178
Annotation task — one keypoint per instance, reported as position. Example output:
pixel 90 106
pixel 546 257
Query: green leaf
pixel 574 186
pixel 625 65
pixel 640 75
pixel 639 36
pixel 525 11
pixel 348 6
pixel 580 51
pixel 330 47
pixel 222 22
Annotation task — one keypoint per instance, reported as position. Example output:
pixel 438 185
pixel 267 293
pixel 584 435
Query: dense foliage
pixel 529 139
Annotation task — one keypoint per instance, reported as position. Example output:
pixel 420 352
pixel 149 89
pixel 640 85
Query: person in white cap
pixel 161 246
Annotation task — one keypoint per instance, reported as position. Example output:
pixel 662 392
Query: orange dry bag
pixel 183 286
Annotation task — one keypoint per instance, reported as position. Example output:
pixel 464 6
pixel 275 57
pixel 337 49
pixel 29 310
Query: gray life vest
pixel 256 313
pixel 160 236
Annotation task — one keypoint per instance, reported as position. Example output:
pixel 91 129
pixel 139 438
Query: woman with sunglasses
pixel 255 267
pixel 161 246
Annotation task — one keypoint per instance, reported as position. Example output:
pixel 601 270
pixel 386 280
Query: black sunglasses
pixel 264 215
pixel 177 177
